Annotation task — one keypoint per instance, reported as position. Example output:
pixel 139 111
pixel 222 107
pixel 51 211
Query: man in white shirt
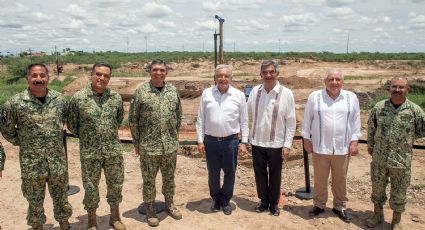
pixel 272 109
pixel 222 117
pixel 331 130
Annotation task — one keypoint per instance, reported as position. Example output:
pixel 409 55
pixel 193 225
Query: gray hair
pixel 223 66
pixel 334 71
pixel 266 63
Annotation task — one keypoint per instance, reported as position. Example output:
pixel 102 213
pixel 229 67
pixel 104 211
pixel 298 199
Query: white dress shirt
pixel 331 124
pixel 263 125
pixel 221 115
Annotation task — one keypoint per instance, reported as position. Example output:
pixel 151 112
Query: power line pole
pixel 279 45
pixel 234 46
pixel 127 43
pixel 348 40
pixel 146 44
pixel 30 54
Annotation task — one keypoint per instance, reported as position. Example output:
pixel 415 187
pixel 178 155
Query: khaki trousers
pixel 337 165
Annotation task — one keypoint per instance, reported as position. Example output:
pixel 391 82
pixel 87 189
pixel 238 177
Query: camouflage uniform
pixel 155 121
pixel 37 128
pixel 391 135
pixel 95 119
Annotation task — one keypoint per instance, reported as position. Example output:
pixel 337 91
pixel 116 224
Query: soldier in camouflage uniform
pixel 394 125
pixel 154 117
pixel 95 114
pixel 33 120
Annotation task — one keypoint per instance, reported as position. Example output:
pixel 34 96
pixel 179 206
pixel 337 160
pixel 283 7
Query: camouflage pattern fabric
pixel 391 134
pixel 2 157
pixel 95 119
pixel 149 165
pixel 37 128
pixel 400 181
pixel 155 118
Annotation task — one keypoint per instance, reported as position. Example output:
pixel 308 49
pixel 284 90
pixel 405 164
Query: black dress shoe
pixel 316 211
pixel 261 207
pixel 274 210
pixel 215 206
pixel 227 209
pixel 343 215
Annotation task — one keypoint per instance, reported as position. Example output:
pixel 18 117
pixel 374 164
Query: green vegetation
pixel 118 59
pixel 353 78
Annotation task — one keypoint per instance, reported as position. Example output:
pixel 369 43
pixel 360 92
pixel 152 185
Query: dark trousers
pixel 267 164
pixel 221 154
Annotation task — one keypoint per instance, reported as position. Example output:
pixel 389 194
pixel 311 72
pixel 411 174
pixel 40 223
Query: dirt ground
pixel 192 196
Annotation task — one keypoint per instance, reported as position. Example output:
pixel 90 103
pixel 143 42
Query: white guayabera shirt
pixel 273 117
pixel 331 124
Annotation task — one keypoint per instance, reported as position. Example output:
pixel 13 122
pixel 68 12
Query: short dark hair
pixel 157 62
pixel 266 63
pixel 30 66
pixel 100 64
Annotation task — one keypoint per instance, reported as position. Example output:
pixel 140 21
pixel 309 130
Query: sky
pixel 189 25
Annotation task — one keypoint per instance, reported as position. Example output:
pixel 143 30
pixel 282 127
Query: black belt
pixel 231 137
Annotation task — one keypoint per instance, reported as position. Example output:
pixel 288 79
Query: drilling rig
pixel 220 52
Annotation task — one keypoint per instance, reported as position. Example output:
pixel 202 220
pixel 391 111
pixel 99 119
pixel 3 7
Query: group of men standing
pixel 34 120
pixel 331 130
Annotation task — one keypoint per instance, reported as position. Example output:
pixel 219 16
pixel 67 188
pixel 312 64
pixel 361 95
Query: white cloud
pixel 148 28
pixel 386 19
pixel 338 3
pixel 378 29
pixel 342 12
pixel 155 10
pixel 268 14
pixel 206 25
pixel 217 6
pixel 417 20
pixel 76 11
pixel 298 19
pixel 166 24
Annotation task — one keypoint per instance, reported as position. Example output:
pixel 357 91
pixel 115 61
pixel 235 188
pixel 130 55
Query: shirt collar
pixel 340 96
pixel 155 90
pixel 91 92
pixel 275 88
pixel 29 97
pixel 229 91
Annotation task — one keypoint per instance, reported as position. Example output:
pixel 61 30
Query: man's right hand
pixel 308 146
pixel 201 148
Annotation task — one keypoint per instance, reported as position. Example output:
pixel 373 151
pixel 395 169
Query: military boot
pixel 91 223
pixel 64 225
pixel 172 210
pixel 396 222
pixel 377 218
pixel 37 227
pixel 151 217
pixel 115 220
